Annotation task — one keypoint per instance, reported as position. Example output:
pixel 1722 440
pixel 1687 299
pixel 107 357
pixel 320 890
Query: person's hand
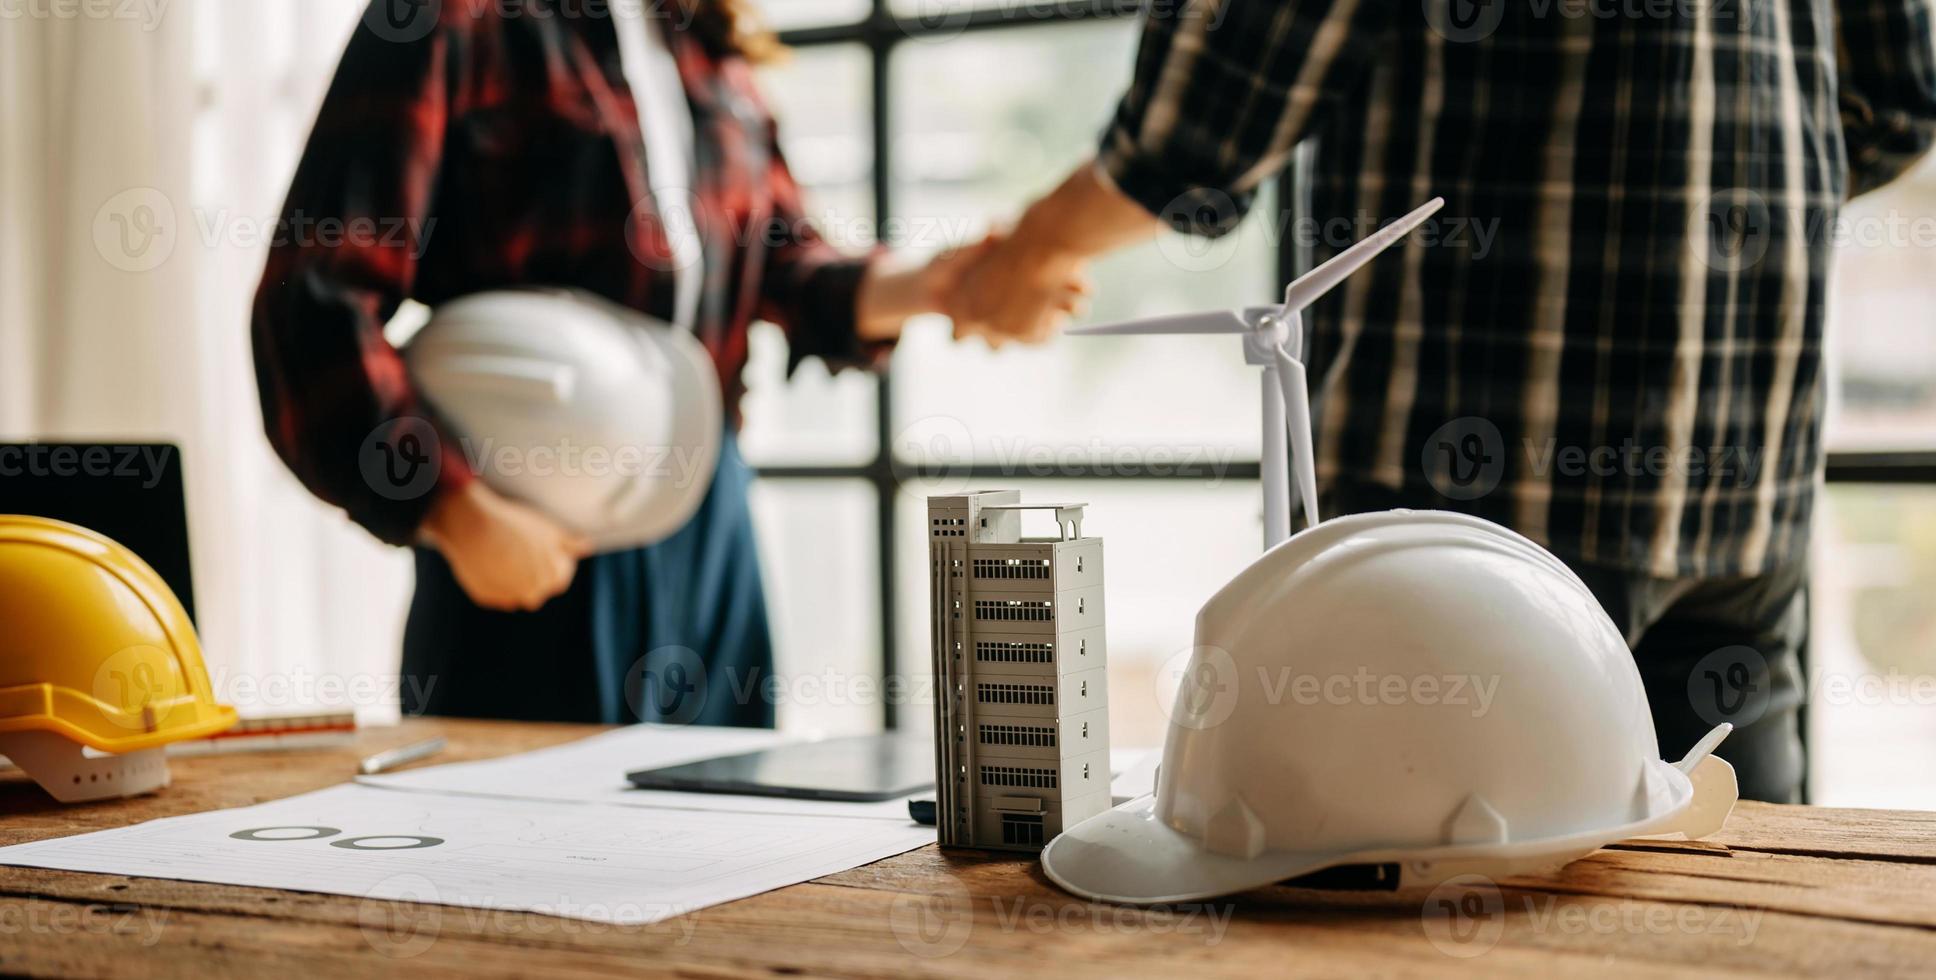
pixel 1010 287
pixel 506 555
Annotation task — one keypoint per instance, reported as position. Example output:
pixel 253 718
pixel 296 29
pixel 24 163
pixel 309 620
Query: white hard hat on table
pixel 1273 768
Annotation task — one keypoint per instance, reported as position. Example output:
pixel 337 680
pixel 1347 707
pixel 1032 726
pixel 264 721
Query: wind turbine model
pixel 1274 339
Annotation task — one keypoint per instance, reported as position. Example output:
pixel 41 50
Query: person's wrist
pixel 934 287
pixel 890 291
pixel 450 513
pixel 1040 238
pixel 1084 217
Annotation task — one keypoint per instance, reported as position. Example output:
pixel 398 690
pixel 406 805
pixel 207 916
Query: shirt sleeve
pixel 1887 84
pixel 808 287
pixel 337 403
pixel 1223 92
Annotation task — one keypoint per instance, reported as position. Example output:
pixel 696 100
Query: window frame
pixel 880 34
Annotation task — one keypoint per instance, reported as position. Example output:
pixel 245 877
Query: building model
pixel 1021 696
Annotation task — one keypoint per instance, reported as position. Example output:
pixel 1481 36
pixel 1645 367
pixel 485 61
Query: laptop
pixel 131 492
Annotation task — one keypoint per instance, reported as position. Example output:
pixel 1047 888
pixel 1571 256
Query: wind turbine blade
pixel 1216 321
pixel 1297 419
pixel 1319 281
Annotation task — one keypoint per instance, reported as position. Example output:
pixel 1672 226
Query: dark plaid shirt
pixel 497 147
pixel 1611 337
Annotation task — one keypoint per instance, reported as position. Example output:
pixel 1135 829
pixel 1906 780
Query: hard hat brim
pixel 1128 856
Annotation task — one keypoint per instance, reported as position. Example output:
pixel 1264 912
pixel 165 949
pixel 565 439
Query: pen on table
pixel 391 758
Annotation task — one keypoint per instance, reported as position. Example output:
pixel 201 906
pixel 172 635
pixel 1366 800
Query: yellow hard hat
pixel 95 651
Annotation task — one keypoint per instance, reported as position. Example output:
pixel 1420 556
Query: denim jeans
pixel 675 632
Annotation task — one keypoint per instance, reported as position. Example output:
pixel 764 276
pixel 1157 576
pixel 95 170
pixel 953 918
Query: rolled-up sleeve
pixel 1223 92
pixel 1887 87
pixel 337 403
pixel 807 286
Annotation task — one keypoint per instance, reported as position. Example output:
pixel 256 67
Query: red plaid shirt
pixel 496 151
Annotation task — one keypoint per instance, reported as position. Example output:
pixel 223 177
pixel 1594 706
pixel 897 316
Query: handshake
pixel 1024 284
pixel 1020 284
pixel 1009 286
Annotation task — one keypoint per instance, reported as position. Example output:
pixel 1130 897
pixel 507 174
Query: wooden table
pixel 1781 889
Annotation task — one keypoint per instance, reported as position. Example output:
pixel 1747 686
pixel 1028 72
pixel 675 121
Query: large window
pixel 1873 669
pixel 921 125
pixel 919 122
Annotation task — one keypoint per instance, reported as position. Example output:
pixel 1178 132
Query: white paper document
pixel 556 831
pixel 592 770
pixel 605 863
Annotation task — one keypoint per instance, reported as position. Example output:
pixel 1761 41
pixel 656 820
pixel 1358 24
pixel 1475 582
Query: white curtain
pixel 142 164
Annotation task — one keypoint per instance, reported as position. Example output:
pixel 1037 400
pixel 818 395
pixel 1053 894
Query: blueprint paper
pixel 622 865
pixel 592 770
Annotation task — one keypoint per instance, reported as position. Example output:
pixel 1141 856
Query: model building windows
pixel 1028 778
pixel 1007 568
pixel 1022 828
pixel 1014 610
pixel 999 693
pixel 1000 652
pixel 1035 736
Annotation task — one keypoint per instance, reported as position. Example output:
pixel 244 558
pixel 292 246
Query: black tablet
pixel 862 768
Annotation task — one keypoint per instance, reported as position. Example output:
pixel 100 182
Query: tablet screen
pixel 861 768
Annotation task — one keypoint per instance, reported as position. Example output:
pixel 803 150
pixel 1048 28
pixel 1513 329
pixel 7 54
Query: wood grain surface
pixel 1780 890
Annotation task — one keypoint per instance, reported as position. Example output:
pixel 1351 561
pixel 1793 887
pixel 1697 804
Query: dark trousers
pixel 1709 651
pixel 676 632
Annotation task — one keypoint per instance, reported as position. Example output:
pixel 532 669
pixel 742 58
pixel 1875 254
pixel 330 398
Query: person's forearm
pixel 1085 216
pixel 893 290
